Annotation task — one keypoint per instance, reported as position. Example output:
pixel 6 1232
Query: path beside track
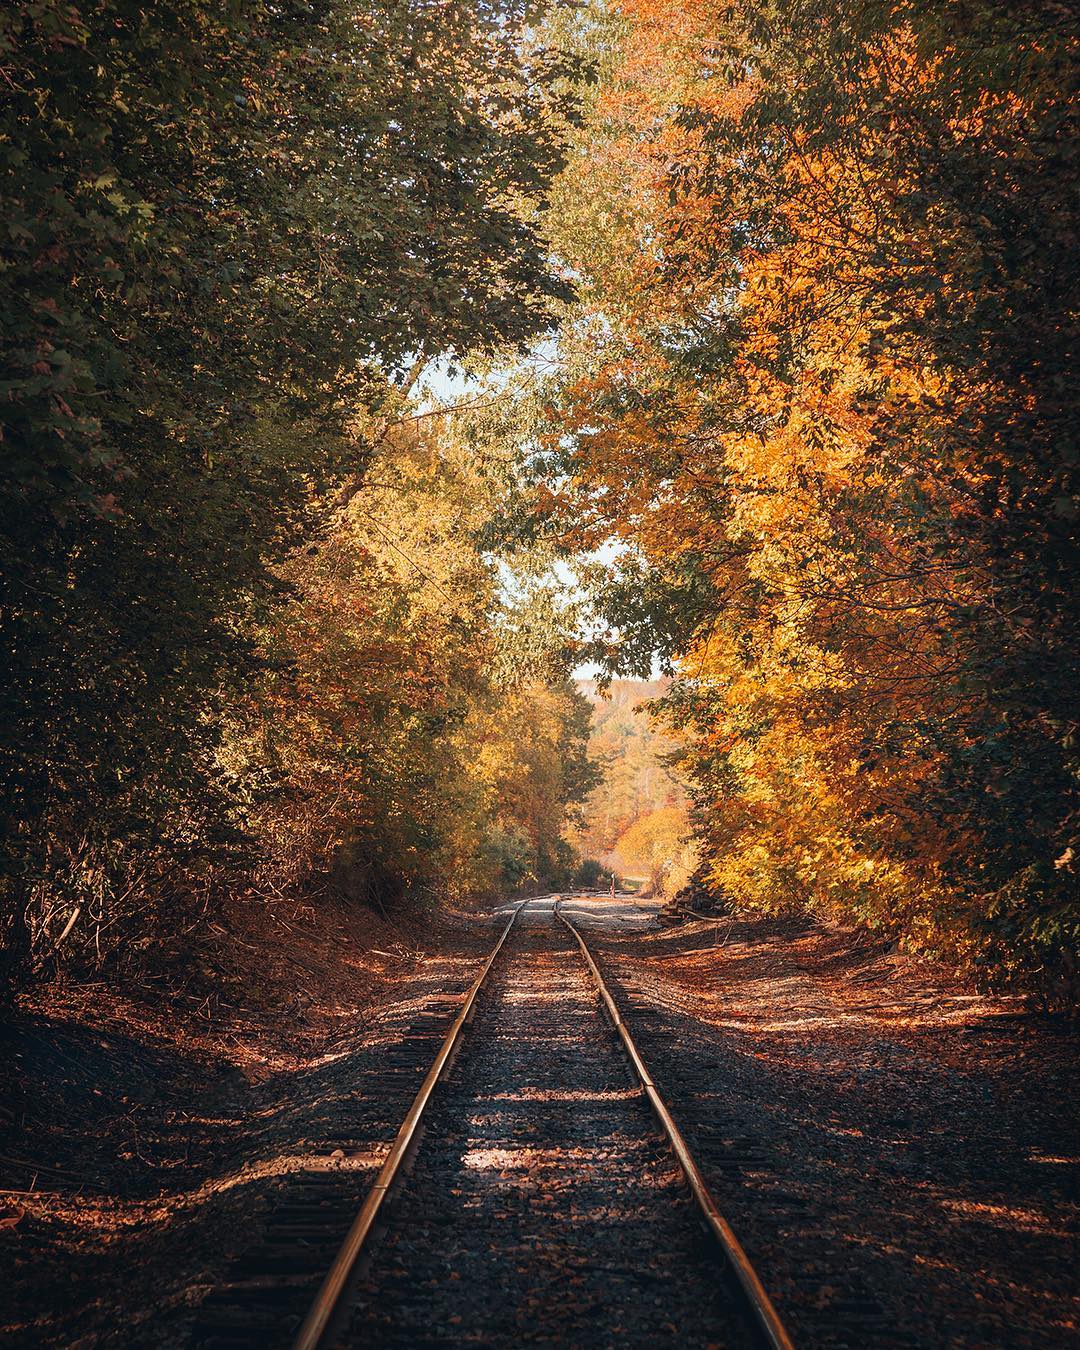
pixel 899 1155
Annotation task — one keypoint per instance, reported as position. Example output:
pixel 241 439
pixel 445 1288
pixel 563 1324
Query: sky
pixel 439 387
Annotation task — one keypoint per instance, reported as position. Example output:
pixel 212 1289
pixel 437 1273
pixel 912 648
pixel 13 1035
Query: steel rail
pixel 764 1312
pixel 322 1316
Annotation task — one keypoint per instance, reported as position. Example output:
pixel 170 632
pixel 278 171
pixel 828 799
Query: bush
pixel 589 874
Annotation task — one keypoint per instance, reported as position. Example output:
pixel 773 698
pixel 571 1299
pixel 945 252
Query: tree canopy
pixel 233 234
pixel 817 384
pixel 778 306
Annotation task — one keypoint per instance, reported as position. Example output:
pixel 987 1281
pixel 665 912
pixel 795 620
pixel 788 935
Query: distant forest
pixel 635 818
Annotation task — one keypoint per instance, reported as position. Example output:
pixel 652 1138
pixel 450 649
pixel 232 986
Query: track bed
pixel 545 1206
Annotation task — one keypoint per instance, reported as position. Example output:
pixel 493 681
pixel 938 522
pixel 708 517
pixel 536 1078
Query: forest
pixel 760 331
pixel 634 821
pixel 538 674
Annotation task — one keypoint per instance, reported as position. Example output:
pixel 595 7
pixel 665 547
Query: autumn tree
pixel 230 231
pixel 407 744
pixel 816 386
pixel 633 760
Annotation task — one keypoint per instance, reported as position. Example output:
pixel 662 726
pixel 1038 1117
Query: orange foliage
pixel 816 389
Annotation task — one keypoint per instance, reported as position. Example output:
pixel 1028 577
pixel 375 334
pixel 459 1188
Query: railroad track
pixel 549 1202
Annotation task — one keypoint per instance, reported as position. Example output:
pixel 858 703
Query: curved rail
pixel 766 1315
pixel 322 1316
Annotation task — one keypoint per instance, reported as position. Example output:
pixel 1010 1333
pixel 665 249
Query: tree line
pixel 818 382
pixel 806 432
pixel 249 637
pixel 634 819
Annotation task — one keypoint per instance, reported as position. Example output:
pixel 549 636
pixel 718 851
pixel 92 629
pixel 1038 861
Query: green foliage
pixel 509 855
pixel 227 228
pixel 532 749
pixel 589 874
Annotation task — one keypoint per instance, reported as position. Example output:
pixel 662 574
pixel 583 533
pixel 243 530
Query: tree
pixel 230 230
pixel 401 750
pixel 819 401
pixel 656 846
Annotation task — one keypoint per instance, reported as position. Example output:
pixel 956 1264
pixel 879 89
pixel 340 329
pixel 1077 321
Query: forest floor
pixel 899 1154
pixel 146 1132
pixel 914 1142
